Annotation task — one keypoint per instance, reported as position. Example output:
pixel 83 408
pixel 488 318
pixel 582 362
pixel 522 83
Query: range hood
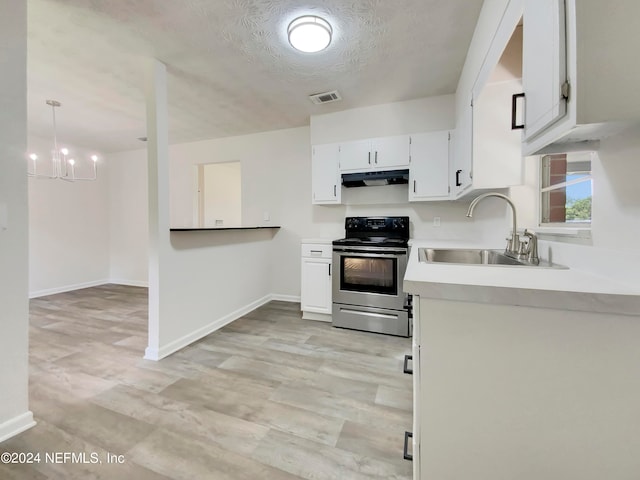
pixel 372 179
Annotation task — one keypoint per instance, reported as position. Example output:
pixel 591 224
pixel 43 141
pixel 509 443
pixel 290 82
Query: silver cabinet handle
pixel 334 191
pixel 316 252
pixel 369 158
pixel 414 186
pixel 376 158
pixel 329 269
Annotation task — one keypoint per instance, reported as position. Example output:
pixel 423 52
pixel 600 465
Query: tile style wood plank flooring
pixel 269 396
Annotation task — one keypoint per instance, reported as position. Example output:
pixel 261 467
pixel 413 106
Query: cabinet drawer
pixel 316 250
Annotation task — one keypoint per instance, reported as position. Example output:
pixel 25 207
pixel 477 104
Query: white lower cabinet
pixel 415 351
pixel 315 292
pixel 521 392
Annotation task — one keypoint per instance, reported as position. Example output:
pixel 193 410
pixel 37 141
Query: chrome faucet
pixel 532 247
pixel 513 245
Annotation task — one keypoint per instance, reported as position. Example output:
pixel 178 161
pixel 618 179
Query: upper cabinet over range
pixel 579 71
pixel 385 153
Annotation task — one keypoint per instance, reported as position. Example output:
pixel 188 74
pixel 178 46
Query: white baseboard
pixel 321 317
pixel 166 350
pixel 285 298
pixel 66 288
pixel 16 425
pixel 130 283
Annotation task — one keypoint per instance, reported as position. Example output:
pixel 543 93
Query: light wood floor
pixel 270 396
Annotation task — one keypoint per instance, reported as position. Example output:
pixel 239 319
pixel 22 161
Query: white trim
pixel 582 232
pixel 67 288
pixel 285 298
pixel 166 350
pixel 130 283
pixel 16 425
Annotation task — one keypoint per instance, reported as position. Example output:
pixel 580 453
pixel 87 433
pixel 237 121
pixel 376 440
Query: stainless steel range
pixel 369 265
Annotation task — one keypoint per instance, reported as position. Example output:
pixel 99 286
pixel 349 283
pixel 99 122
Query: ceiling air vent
pixel 325 97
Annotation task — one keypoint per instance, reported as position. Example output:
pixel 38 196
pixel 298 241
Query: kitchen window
pixel 566 190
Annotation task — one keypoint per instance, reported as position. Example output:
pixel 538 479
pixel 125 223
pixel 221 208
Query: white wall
pixel 128 222
pixel 276 178
pixel 68 226
pixel 615 227
pixel 412 116
pixel 14 308
pixel 222 194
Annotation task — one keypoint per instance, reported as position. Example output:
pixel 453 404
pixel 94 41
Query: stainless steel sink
pixel 474 257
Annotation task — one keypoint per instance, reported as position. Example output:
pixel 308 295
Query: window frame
pixel 575 228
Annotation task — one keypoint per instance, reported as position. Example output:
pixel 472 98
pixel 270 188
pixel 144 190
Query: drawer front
pixel 316 250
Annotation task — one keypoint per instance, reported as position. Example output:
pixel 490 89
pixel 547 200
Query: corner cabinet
pixel 326 184
pixel 488 151
pixel 384 153
pixel 579 75
pixel 315 291
pixel 429 167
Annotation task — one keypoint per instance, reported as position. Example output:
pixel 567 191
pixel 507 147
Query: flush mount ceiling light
pixel 309 34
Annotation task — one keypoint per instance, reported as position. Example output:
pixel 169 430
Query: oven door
pixel 369 276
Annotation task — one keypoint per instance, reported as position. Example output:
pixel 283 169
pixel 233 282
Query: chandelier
pixel 63 165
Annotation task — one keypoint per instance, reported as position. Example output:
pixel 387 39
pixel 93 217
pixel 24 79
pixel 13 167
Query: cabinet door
pixel 497 149
pixel 390 152
pixel 544 64
pixel 462 151
pixel 417 392
pixel 355 156
pixel 316 285
pixel 325 176
pixel 429 168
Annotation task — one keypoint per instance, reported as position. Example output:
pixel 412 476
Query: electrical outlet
pixel 436 221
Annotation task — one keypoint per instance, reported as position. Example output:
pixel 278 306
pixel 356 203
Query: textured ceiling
pixel 231 68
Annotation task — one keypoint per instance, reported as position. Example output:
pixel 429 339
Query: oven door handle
pixel 371 253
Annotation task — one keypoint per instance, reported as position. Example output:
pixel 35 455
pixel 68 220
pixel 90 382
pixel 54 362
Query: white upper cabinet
pixel 579 72
pixel 429 169
pixel 497 148
pixel 385 153
pixel 325 176
pixel 487 152
pixel 462 151
pixel 544 70
pixel 391 153
pixel 355 156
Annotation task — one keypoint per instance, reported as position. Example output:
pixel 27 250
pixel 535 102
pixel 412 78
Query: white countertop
pixel 567 289
pixel 317 241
